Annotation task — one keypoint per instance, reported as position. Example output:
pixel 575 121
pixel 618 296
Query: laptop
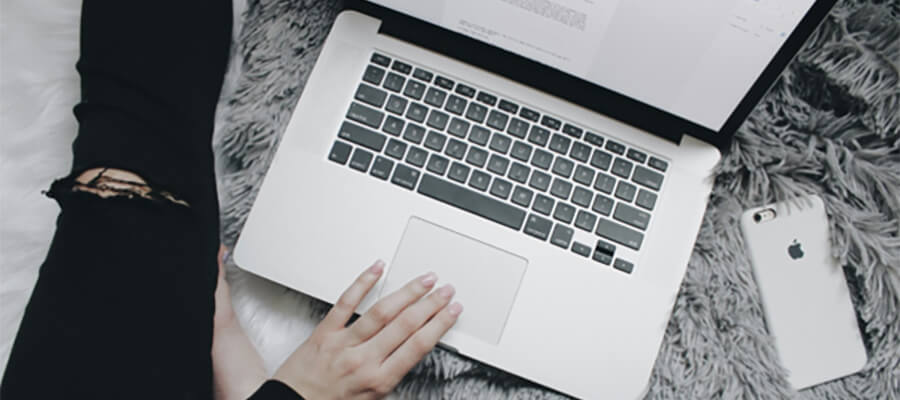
pixel 551 159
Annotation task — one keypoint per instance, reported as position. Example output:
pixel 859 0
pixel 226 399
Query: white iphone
pixel 804 292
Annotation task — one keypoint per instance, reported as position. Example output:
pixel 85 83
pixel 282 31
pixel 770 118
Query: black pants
pixel 123 307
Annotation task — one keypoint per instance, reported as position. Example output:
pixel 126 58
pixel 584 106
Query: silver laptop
pixel 549 158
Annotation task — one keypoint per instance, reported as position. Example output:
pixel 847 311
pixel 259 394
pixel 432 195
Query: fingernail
pixel 377 268
pixel 429 279
pixel 455 309
pixel 446 291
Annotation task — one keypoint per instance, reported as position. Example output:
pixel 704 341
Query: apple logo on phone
pixel 795 250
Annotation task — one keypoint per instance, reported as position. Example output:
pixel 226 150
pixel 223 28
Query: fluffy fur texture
pixel 830 126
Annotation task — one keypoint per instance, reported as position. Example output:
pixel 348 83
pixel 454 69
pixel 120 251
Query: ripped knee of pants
pixel 113 183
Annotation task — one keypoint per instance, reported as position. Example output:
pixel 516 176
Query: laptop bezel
pixel 584 93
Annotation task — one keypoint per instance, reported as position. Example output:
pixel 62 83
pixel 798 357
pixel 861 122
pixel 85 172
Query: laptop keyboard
pixel 510 164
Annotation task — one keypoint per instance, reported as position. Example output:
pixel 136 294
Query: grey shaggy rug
pixel 831 126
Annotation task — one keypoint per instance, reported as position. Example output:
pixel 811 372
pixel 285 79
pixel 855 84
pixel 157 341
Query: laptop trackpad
pixel 486 278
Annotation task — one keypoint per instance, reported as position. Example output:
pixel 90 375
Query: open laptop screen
pixel 696 59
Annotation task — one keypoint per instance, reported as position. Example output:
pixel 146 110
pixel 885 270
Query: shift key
pixel 362 136
pixel 620 234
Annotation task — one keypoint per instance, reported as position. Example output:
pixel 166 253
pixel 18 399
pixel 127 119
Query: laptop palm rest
pixel 486 278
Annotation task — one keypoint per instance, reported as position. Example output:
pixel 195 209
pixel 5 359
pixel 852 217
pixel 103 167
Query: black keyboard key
pixel 580 151
pixel 564 212
pixel 361 160
pixel 405 176
pixel 539 181
pixel 543 204
pixel 401 67
pixel 479 180
pixel 560 144
pixel 522 196
pixel 497 120
pixel 605 183
pixel 369 95
pixel 637 156
pixel 538 135
pixel 648 178
pixel 529 114
pixel 458 128
pixel 477 157
pixel 416 156
pixel 518 128
pixel 581 249
pixel 459 172
pixel 572 131
pixel 632 216
pixel 623 266
pixel 501 188
pixel 340 152
pixel 435 141
pixel 394 82
pixel 373 75
pixel 562 236
pixel 473 202
pixel 414 133
pixel 393 125
pixel 382 168
pixel 438 120
pixel 521 151
pixel 480 135
pixel 605 247
pixel 396 105
pixel 602 204
pixel 585 220
pixel 435 97
pixel 362 136
pixel 500 143
pixel 465 90
pixel 456 149
pixel 365 115
pixel 508 106
pixel 437 164
pixel 622 168
pixel 519 172
pixel 414 89
pixel 658 164
pixel 381 59
pixel 601 159
pixel 487 98
pixel 584 175
pixel 646 200
pixel 551 122
pixel 593 139
pixel 625 191
pixel 563 167
pixel 423 75
pixel 615 147
pixel 561 189
pixel 620 234
pixel 582 197
pixel 498 164
pixel 542 159
pixel 476 112
pixel 417 112
pixel 538 227
pixel 602 257
pixel 395 149
pixel 444 83
pixel 456 104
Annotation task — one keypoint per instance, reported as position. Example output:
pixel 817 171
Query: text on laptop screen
pixel 692 58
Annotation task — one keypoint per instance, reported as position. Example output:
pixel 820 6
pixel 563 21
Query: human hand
pixel 368 358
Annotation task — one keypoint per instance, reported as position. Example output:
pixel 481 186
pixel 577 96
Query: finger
pixel 387 308
pixel 346 305
pixel 421 342
pixel 409 321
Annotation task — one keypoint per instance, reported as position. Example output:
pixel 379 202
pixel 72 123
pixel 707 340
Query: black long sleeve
pixel 123 306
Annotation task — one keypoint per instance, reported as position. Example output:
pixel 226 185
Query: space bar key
pixel 471 201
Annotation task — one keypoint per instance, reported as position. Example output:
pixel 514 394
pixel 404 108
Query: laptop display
pixel 695 59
